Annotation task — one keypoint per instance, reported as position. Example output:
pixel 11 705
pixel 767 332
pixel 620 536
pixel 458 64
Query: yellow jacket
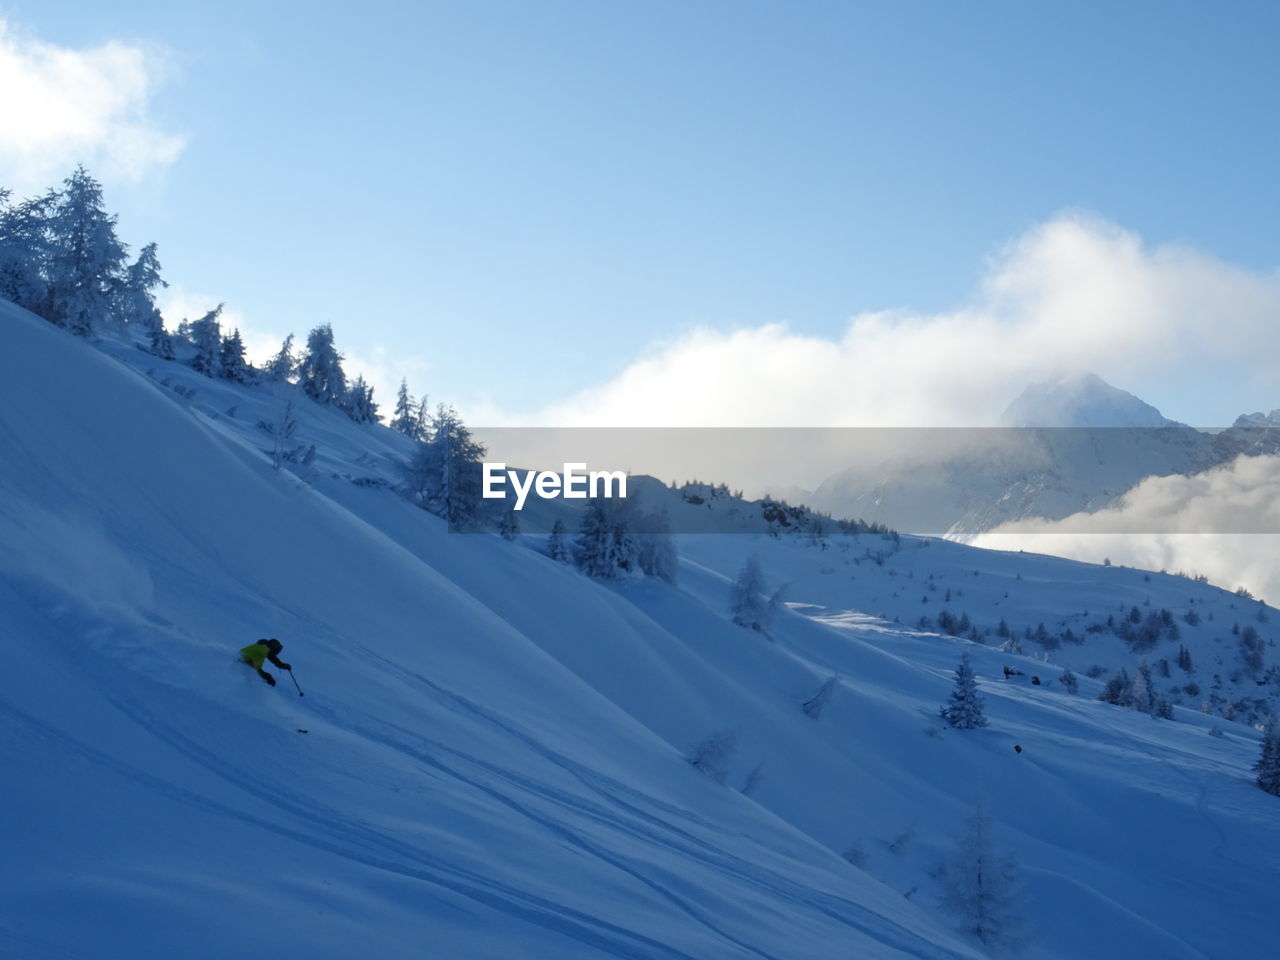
pixel 254 654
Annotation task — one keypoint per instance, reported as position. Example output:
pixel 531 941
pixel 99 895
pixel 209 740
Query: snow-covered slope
pixel 493 763
pixel 458 788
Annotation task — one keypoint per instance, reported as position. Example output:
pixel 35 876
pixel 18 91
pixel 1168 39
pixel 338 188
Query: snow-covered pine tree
pixel 370 404
pixel 748 604
pixel 595 542
pixel 161 342
pixel 1118 689
pixel 281 367
pixel 458 455
pixel 135 298
pixel 964 710
pixel 1142 697
pixel 206 337
pixel 234 365
pixel 1069 681
pixel 420 473
pixel 424 420
pixel 87 259
pixel 320 372
pixel 980 886
pixel 607 550
pixel 557 546
pixel 1268 765
pixel 443 475
pixel 1147 697
pixel 406 419
pixel 359 403
pixel 509 525
pixel 658 555
pixel 25 251
pixel 1251 650
pixel 282 426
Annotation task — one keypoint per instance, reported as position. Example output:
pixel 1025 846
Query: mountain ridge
pixel 1068 446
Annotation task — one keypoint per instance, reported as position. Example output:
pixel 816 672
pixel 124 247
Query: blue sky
pixel 510 202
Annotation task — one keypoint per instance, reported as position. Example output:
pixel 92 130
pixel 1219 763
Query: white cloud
pixel 1074 294
pixel 1224 524
pixel 62 106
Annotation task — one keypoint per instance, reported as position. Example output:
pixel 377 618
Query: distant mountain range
pixel 1069 445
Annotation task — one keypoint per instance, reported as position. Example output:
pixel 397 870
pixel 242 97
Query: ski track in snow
pixel 369 846
pixel 690 846
pixel 398 856
pixel 411 862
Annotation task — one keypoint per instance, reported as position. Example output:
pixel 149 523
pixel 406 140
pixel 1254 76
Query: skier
pixel 261 650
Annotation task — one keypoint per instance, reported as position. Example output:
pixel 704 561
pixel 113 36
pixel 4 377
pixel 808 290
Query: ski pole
pixel 295 682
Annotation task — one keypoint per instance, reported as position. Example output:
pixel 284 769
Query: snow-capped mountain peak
pixel 1085 400
pixel 1258 419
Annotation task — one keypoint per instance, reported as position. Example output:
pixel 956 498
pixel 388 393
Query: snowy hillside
pixel 1209 650
pixel 494 756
